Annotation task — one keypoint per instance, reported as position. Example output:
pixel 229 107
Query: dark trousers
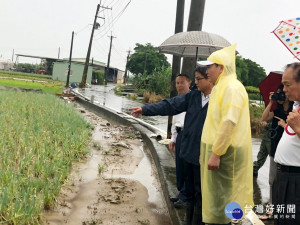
pixel 193 189
pixel 286 195
pixel 180 180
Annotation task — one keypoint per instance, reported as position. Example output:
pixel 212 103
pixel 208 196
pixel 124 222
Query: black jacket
pixel 191 103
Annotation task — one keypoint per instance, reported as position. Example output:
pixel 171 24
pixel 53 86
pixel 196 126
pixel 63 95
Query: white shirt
pixel 288 149
pixel 178 121
pixel 204 99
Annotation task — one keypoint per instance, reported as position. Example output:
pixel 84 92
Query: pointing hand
pixel 135 111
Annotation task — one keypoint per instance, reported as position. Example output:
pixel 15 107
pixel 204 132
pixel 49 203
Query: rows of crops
pixel 40 138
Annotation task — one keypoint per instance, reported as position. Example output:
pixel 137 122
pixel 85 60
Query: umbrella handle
pixel 286 127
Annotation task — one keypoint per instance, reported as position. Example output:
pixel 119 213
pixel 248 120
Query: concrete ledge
pixel 163 159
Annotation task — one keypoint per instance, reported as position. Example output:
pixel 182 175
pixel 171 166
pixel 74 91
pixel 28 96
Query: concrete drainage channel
pixel 163 159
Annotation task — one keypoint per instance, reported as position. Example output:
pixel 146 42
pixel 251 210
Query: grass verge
pixel 14 74
pixel 12 79
pixel 40 138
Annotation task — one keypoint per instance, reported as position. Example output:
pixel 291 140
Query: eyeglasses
pixel 197 78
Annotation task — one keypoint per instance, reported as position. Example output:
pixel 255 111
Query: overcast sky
pixel 39 27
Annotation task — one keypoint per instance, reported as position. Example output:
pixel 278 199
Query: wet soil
pixel 116 184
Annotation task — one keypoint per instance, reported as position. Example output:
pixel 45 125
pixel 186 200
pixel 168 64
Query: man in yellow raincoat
pixel 226 150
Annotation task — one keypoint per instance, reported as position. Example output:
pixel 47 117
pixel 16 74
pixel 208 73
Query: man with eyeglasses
pixel 286 187
pixel 226 149
pixel 195 104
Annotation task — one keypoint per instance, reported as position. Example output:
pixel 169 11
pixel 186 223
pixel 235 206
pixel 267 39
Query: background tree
pixel 27 67
pixel 256 73
pixel 242 70
pixel 146 59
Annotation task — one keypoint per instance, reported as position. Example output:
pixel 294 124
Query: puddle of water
pixel 105 96
pixel 261 183
pixel 143 174
pixel 90 172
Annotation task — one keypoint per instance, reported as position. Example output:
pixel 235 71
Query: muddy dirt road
pixel 116 184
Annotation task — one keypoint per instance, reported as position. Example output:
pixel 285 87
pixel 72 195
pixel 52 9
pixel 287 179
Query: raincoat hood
pixel 225 57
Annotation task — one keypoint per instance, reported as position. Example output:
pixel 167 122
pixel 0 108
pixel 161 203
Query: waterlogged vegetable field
pixel 40 137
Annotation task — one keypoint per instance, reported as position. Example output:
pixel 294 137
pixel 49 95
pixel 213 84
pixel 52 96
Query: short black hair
pixel 296 68
pixel 280 87
pixel 183 75
pixel 201 70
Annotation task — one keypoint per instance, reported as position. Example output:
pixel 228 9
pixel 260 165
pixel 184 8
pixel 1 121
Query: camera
pixel 280 96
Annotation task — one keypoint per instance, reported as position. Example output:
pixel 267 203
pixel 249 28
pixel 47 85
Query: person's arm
pixel 281 122
pixel 233 103
pixel 136 111
pixel 267 114
pixel 166 107
pixel 220 146
pixel 293 121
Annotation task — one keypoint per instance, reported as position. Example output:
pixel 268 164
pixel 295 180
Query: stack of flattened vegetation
pixel 40 138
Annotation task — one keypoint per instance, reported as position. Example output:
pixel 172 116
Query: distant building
pixel 60 69
pixel 6 64
pixel 97 65
pixel 60 72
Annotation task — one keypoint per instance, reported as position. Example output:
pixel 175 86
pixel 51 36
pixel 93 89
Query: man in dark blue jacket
pixel 195 103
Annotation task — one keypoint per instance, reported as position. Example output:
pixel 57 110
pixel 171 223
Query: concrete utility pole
pixel 108 60
pixel 70 60
pixel 58 52
pixel 125 74
pixel 87 60
pixel 176 59
pixel 194 24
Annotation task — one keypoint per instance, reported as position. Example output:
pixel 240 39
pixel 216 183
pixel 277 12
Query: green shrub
pixel 254 96
pixel 251 89
pixel 256 112
pixel 118 89
pixel 99 76
pixel 158 82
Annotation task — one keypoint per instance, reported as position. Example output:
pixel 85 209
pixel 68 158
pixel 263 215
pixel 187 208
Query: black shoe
pixel 174 199
pixel 180 204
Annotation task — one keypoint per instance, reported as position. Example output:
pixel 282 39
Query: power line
pixel 81 29
pixel 106 29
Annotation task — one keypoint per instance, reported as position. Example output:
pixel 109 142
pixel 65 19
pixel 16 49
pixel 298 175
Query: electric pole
pixel 12 58
pixel 125 74
pixel 87 60
pixel 176 59
pixel 70 60
pixel 58 52
pixel 108 60
pixel 194 24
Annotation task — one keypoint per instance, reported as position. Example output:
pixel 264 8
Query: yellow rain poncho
pixel 227 133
